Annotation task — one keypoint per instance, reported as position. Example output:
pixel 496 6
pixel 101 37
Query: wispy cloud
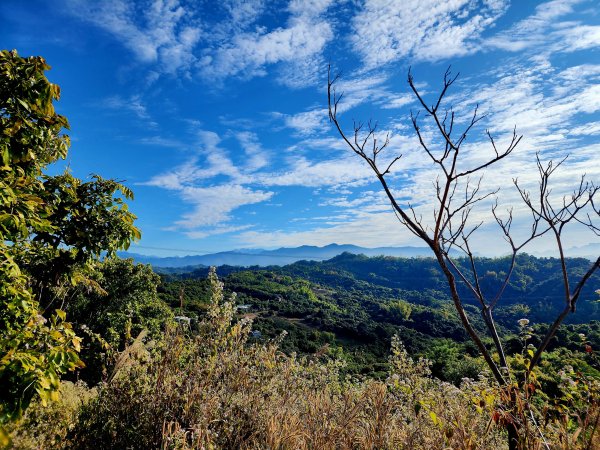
pixel 183 38
pixel 306 122
pixel 161 31
pixel 212 205
pixel 133 104
pixel 216 231
pixel 535 30
pixel 537 98
pixel 554 106
pixel 347 171
pixel 160 141
pixel 209 160
pixel 373 88
pixel 360 228
pixel 548 30
pixel 579 37
pixel 426 30
pixel 256 156
pixel 214 185
pixel 248 53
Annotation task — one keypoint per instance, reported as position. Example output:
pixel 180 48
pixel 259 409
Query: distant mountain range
pixel 288 255
pixel 589 251
pixel 279 257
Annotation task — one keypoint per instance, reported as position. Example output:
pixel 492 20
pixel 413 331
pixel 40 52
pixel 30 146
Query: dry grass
pixel 214 391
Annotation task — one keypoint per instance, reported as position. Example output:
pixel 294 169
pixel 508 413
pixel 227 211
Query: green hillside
pixel 352 305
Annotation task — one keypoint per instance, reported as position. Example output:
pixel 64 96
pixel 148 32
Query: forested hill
pixel 355 303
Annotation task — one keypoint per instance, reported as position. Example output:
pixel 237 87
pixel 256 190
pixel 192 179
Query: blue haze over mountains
pixel 288 255
pixel 279 257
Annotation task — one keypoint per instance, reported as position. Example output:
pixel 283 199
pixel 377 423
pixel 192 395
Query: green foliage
pixel 46 427
pixel 362 302
pixel 220 388
pixel 51 231
pixel 216 390
pixel 399 310
pixel 128 304
pixel 452 363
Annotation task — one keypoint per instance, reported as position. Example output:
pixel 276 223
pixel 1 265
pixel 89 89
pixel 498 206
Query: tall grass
pixel 213 390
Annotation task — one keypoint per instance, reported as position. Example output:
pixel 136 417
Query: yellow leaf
pixel 44 383
pixel 4 438
pixel 433 417
pixel 77 343
pixel 60 313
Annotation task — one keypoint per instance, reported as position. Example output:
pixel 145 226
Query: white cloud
pixel 176 178
pixel 242 13
pixel 367 220
pixel 161 141
pixel 160 31
pixel 548 105
pixel 238 47
pixel 588 129
pixel 545 33
pixel 215 231
pixel 331 172
pixel 179 36
pixel 361 228
pixel 302 72
pixel 210 160
pixel 356 91
pixel 133 104
pixel 398 101
pixel 330 144
pixel 212 205
pixel 248 53
pixel 256 156
pixel 542 102
pixel 308 8
pixel 580 37
pixel 367 201
pixel 533 29
pixel 307 122
pixel 388 31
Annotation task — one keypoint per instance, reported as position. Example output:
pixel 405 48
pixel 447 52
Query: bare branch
pixel 499 155
pixel 568 309
pixel 454 204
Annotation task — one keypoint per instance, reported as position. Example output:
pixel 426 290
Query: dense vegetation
pixel 214 387
pixel 353 305
pixel 53 230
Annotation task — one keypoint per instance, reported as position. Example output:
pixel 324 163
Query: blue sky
pixel 215 112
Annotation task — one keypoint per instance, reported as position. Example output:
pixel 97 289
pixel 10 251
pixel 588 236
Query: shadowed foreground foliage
pixel 214 390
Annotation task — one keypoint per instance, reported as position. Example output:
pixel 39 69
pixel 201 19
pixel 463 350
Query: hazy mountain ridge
pixel 289 255
pixel 279 257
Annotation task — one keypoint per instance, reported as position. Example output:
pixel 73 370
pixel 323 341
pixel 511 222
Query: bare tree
pixel 457 193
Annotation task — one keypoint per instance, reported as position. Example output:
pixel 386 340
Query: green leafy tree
pixel 128 305
pixel 53 229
